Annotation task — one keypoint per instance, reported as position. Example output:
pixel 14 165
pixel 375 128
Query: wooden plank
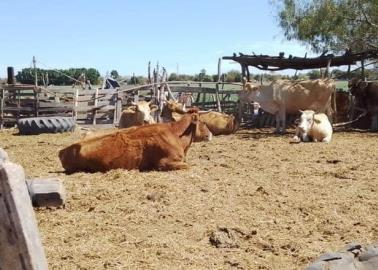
pixel 87 98
pixel 100 92
pixel 91 108
pixel 54 105
pixel 21 247
pixel 15 109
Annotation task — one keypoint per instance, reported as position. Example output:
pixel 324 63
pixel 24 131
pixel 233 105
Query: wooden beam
pixel 273 63
pixel 21 247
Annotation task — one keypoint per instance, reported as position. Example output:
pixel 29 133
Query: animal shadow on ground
pixel 261 133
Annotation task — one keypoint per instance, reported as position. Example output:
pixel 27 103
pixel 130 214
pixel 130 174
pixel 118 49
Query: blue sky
pixel 125 35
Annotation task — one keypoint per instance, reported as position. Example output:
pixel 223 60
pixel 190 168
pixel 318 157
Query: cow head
pixel 357 87
pixel 202 132
pixel 306 121
pixel 170 109
pixel 143 109
pixel 249 91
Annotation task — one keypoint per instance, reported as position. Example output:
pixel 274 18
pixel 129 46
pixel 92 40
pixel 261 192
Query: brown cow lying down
pixel 218 123
pixel 160 146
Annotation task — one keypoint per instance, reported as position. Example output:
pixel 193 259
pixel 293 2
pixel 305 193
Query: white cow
pixel 313 127
pixel 284 96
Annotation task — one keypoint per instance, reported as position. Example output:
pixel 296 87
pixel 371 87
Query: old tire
pixel 38 125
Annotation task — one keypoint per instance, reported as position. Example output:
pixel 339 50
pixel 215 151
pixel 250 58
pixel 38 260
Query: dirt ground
pixel 250 201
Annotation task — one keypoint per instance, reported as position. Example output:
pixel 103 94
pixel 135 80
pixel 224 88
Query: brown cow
pixel 366 94
pixel 160 146
pixel 137 115
pixel 218 123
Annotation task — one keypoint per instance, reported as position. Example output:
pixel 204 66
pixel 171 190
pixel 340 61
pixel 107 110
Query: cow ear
pixel 296 121
pixel 153 107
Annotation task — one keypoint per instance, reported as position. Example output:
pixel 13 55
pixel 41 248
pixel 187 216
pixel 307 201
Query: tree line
pixel 57 77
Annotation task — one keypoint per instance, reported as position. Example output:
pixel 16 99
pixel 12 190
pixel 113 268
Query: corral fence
pixel 104 106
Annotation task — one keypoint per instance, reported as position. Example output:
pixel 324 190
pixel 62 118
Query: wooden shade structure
pixel 275 63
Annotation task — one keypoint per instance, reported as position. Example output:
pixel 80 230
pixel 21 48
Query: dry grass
pixel 270 204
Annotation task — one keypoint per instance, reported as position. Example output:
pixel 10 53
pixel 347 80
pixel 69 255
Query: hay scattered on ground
pixel 250 201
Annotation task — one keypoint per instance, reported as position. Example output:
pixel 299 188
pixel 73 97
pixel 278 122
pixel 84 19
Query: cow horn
pixel 134 103
pixel 300 111
pixel 203 112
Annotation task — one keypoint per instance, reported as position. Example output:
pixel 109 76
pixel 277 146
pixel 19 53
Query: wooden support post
pixel 36 100
pixel 21 246
pixel 162 95
pixel 348 73
pixel 363 70
pixel 2 108
pixel 76 103
pixel 219 108
pixel 35 72
pixel 118 107
pixel 11 79
pixel 149 72
pixel 156 90
pixel 248 74
pixel 327 72
pixel 243 71
pixel 94 113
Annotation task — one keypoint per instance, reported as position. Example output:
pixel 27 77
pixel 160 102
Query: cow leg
pixel 283 118
pixel 168 164
pixel 305 137
pixel 278 120
pixel 297 137
pixel 374 122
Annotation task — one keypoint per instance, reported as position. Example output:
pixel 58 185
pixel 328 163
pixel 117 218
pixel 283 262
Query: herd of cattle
pixel 142 144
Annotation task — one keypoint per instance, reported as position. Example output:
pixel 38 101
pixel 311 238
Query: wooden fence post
pixel 36 100
pixel 118 107
pixel 21 247
pixel 76 103
pixel 95 106
pixel 2 108
pixel 217 85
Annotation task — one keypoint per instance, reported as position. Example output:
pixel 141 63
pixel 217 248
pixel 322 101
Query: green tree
pixel 173 77
pixel 114 74
pixel 313 74
pixel 57 77
pixel 233 76
pixel 334 25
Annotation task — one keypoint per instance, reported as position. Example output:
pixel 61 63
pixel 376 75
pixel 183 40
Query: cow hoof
pixel 295 139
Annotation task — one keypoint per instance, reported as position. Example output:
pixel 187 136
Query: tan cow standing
pixel 284 96
pixel 160 146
